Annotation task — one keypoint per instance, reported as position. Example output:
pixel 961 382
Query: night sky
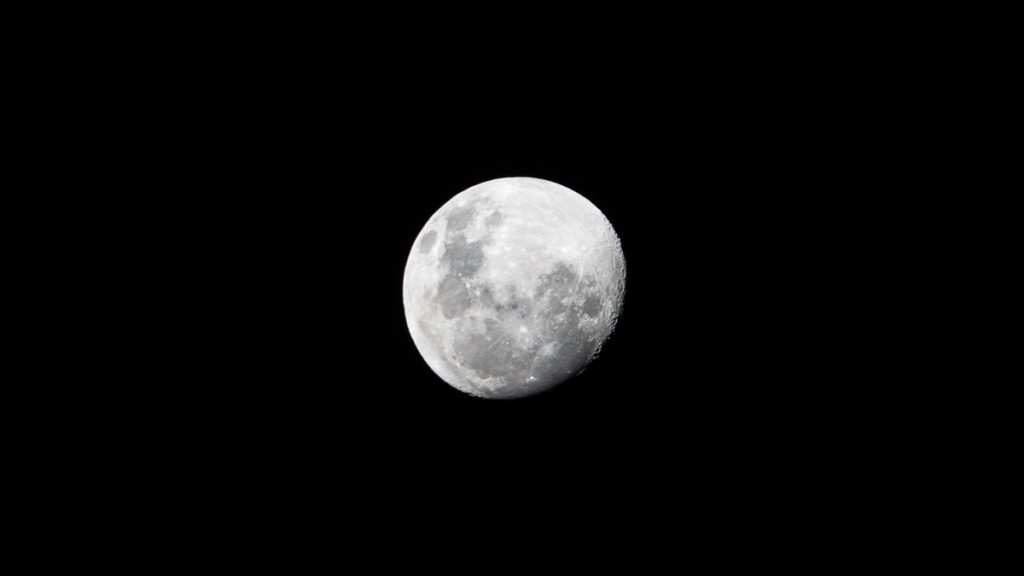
pixel 725 361
pixel 269 179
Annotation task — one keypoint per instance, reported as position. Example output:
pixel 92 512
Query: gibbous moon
pixel 513 286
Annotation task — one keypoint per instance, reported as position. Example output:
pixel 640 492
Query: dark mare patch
pixel 452 297
pixel 463 258
pixel 592 306
pixel 459 218
pixel 494 354
pixel 427 242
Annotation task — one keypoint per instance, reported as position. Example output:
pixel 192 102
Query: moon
pixel 512 287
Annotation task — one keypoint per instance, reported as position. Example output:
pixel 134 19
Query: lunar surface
pixel 513 286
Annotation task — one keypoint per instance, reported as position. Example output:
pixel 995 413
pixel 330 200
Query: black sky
pixel 261 181
pixel 725 189
pixel 709 190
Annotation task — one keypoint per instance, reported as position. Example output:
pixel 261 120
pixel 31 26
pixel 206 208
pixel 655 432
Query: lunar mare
pixel 513 286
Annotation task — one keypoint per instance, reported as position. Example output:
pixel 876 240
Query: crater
pixel 592 306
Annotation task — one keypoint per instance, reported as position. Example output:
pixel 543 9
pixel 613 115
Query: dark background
pixel 712 192
pixel 291 190
pixel 246 188
pixel 726 199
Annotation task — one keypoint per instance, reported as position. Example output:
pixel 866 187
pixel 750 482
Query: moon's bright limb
pixel 513 286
